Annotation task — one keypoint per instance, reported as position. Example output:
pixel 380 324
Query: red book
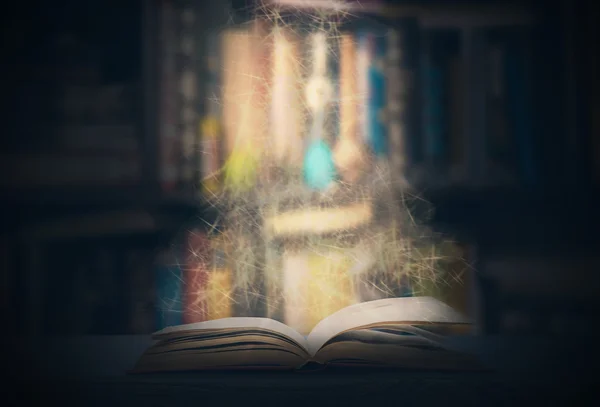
pixel 197 261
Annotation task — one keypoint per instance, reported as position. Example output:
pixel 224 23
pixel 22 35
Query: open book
pixel 395 332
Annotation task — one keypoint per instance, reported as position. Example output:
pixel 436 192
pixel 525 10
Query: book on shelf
pixel 403 333
pixel 169 289
pixel 188 90
pixel 210 130
pixel 168 171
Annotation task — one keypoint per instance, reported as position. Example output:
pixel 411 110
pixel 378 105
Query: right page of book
pixel 388 310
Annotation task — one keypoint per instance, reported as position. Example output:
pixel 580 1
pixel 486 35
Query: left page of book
pixel 235 323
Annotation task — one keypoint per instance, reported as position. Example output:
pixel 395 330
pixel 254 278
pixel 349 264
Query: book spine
pixel 238 111
pixel 169 304
pixel 220 283
pixel 348 88
pixel 210 129
pixel 333 108
pixel 287 125
pixel 364 56
pixel 321 96
pixel 377 135
pixel 188 92
pixel 262 43
pixel 396 107
pixel 168 172
pixel 195 271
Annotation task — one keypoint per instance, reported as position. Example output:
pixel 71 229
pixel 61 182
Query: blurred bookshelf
pixel 116 157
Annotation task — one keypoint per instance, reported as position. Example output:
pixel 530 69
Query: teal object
pixel 319 169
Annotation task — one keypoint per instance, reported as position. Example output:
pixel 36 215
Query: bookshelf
pixel 500 218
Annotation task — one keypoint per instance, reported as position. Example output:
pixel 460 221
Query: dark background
pixel 537 259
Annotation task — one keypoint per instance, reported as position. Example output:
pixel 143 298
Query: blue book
pixel 377 97
pixel 372 85
pixel 169 282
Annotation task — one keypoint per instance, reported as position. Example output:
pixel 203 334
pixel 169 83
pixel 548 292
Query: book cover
pixel 262 70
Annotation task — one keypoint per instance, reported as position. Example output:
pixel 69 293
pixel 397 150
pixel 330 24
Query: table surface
pixel 523 370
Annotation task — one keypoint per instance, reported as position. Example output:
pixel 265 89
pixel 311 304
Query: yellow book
pixel 209 131
pixel 330 287
pixel 238 111
pixel 219 294
pixel 219 286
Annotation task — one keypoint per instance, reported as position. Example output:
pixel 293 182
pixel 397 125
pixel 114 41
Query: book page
pixel 235 323
pixel 388 310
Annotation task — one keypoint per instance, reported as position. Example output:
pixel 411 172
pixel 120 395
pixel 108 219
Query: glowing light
pixel 364 248
pixel 319 221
